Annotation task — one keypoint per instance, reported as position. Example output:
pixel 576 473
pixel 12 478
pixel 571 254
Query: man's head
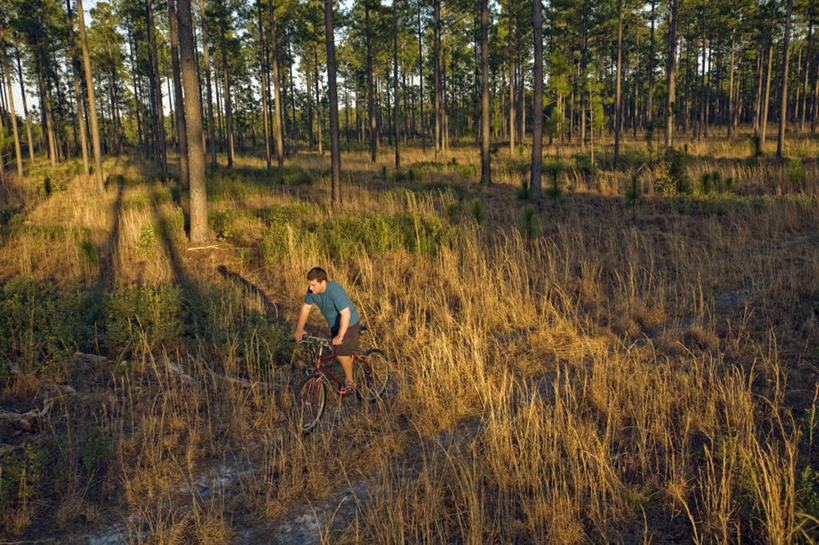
pixel 317 280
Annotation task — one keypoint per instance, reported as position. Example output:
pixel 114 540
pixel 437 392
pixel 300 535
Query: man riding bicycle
pixel 341 316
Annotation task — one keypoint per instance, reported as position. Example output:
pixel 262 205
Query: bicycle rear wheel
pixel 371 377
pixel 311 397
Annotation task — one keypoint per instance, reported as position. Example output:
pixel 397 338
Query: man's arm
pixel 344 322
pixel 305 312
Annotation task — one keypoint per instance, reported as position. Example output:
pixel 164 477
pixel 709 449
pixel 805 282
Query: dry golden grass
pixel 608 380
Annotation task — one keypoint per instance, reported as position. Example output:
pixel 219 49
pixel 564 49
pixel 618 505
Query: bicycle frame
pixel 321 370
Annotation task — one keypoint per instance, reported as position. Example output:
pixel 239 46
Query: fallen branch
pixel 26 420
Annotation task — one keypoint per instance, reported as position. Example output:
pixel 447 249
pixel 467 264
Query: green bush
pixel 222 222
pixel 796 173
pixel 529 223
pixel 147 239
pixel 20 476
pixel 155 312
pixel 38 326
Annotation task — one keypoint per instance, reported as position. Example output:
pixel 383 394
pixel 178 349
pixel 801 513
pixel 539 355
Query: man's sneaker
pixel 348 388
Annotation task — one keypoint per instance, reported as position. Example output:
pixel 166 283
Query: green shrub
pixel 88 252
pixel 222 222
pixel 529 223
pixel 523 193
pixel 147 239
pixel 155 312
pixel 38 326
pixel 20 477
pixel 796 173
pixel 477 210
pixel 453 210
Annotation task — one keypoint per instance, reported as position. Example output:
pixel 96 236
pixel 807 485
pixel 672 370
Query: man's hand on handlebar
pixel 299 334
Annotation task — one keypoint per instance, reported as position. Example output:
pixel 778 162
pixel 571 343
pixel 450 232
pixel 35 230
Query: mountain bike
pixel 370 374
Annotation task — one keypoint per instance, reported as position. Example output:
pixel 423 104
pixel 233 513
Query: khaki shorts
pixel 349 345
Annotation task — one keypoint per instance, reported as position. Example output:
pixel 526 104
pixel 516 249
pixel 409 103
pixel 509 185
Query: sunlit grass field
pixel 633 360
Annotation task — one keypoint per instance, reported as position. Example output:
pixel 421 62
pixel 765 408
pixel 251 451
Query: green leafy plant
pixel 634 194
pixel 523 193
pixel 529 223
pixel 477 210
pixel 147 239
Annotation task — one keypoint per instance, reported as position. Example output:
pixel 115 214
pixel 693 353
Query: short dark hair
pixel 317 273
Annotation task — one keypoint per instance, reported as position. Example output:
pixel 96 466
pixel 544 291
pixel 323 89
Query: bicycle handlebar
pixel 321 341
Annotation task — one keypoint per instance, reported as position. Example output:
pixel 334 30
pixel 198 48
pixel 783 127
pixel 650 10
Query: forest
pixel 585 234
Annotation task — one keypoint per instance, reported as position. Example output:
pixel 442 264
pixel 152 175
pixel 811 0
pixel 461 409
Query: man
pixel 341 316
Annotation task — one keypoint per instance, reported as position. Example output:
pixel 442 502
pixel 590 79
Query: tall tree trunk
pixel 436 45
pixel 156 92
pixel 651 55
pixel 92 106
pixel 395 122
pixel 45 108
pixel 75 70
pixel 808 58
pixel 486 170
pixel 263 73
pixel 318 101
pixel 193 122
pixel 731 85
pixel 25 105
pixel 511 83
pixel 226 87
pixel 535 181
pixel 12 114
pixel 618 96
pixel 671 66
pixel 181 127
pixel 767 92
pixel 370 84
pixel 206 60
pixel 277 102
pixel 421 82
pixel 786 56
pixel 332 95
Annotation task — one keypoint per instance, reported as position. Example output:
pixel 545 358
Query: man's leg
pixel 347 365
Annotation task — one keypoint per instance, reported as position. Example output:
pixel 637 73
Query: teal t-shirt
pixel 331 303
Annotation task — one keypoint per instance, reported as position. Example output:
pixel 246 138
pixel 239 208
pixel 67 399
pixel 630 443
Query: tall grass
pixel 577 383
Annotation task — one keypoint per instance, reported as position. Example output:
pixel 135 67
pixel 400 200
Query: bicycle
pixel 370 374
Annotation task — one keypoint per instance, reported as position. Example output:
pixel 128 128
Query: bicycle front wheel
pixel 311 397
pixel 372 374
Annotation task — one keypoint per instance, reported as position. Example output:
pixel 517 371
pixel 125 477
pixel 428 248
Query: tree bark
pixel 277 102
pixel 25 106
pixel 206 60
pixel 395 121
pixel 486 168
pixel 75 70
pixel 436 44
pixel 535 180
pixel 318 101
pixel 370 84
pixel 332 95
pixel 263 73
pixel 226 87
pixel 671 66
pixel 786 55
pixel 618 96
pixel 12 114
pixel 193 122
pixel 181 132
pixel 767 92
pixel 156 93
pixel 511 85
pixel 421 82
pixel 92 107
